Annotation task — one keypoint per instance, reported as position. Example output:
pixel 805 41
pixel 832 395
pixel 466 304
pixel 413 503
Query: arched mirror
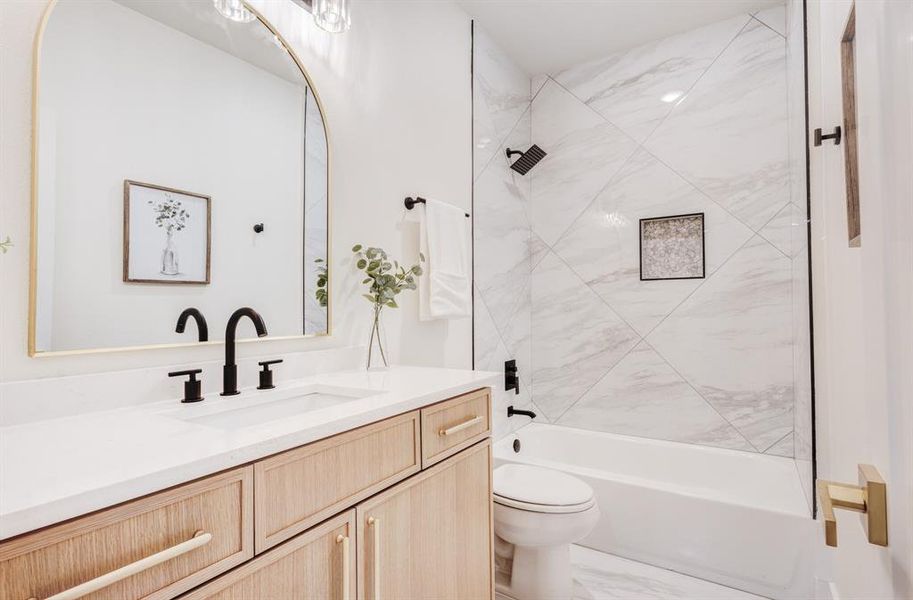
pixel 180 161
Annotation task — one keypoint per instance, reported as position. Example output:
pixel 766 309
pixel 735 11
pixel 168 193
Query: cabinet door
pixel 430 537
pixel 318 564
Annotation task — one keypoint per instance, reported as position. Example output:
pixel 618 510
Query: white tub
pixel 737 518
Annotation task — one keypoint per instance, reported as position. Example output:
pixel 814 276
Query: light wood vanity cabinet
pixel 297 489
pixel 430 536
pixel 455 424
pixel 318 564
pixel 400 508
pixel 62 557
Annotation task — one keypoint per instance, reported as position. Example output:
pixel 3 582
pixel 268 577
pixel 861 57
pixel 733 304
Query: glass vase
pixel 170 263
pixel 377 352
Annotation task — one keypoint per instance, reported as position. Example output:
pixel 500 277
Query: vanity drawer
pixel 297 489
pixel 146 548
pixel 455 424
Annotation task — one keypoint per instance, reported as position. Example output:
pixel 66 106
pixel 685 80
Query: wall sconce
pixel 332 15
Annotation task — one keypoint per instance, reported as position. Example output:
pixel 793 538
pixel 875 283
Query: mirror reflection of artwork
pixel 166 235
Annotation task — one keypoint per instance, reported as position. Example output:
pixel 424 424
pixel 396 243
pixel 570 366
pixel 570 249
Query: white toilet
pixel 541 512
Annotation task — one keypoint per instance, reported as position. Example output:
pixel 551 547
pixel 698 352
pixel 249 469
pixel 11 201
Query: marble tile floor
pixel 599 576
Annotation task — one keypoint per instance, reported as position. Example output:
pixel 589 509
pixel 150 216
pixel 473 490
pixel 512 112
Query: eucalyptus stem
pixel 380 339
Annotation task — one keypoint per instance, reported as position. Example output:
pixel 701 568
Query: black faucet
pixel 202 328
pixel 511 411
pixel 230 370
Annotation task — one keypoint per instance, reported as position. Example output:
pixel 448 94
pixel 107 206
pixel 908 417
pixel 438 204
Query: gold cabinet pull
pixel 473 420
pixel 344 540
pixel 199 539
pixel 869 497
pixel 374 522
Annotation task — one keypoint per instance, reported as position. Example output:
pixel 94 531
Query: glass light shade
pixel 332 15
pixel 234 10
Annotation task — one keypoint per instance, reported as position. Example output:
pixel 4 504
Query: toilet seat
pixel 536 489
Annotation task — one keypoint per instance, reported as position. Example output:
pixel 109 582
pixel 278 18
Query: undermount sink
pixel 249 410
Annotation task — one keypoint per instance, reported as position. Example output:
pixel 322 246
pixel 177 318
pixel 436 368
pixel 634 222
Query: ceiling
pixel 251 42
pixel 546 36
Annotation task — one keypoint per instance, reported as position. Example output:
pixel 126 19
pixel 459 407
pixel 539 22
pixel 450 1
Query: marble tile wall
pixel 502 291
pixel 697 122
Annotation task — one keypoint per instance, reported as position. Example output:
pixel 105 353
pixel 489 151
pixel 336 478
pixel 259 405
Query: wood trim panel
pixel 452 413
pixel 308 566
pixel 52 560
pixel 435 537
pixel 850 144
pixel 299 488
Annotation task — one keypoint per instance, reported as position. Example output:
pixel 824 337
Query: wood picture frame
pixel 170 215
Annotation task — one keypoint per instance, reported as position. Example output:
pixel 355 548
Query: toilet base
pixel 540 573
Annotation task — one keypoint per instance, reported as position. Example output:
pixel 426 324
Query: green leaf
pixel 318 260
pixel 421 257
pixel 369 297
pixel 356 248
pixel 392 304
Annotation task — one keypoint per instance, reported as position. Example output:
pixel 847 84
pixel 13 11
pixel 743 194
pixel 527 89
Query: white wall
pixel 862 296
pixel 397 99
pixel 132 98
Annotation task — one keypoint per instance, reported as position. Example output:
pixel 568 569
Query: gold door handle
pixel 344 540
pixel 473 420
pixel 375 523
pixel 869 497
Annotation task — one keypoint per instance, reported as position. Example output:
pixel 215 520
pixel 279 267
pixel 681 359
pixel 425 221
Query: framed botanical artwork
pixel 672 247
pixel 167 234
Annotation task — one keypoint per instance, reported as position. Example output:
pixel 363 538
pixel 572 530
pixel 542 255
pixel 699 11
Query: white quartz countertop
pixel 62 468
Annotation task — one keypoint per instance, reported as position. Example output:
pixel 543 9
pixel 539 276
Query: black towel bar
pixel 411 202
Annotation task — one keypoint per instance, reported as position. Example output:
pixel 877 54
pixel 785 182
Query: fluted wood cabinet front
pixel 70 556
pixel 431 535
pixel 318 564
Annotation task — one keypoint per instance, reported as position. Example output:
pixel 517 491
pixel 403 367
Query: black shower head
pixel 527 160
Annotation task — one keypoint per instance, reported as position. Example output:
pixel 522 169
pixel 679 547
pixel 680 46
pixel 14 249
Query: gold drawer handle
pixel 375 523
pixel 199 539
pixel 474 420
pixel 344 540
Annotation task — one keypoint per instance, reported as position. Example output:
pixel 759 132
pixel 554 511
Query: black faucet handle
pixel 266 376
pixel 193 389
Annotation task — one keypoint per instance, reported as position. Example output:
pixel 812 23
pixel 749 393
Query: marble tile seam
pixel 702 397
pixel 501 142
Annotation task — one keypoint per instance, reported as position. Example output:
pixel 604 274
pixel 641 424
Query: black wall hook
pixel 836 136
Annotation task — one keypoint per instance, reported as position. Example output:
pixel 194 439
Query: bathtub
pixel 736 518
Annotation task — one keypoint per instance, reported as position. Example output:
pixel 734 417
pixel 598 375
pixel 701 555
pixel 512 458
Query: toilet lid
pixel 541 490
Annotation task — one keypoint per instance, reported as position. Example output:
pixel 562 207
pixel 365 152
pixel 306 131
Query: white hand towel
pixel 446 286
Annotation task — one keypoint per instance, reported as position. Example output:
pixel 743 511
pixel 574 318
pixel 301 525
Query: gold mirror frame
pixel 33 227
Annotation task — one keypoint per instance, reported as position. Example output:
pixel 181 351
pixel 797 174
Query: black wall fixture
pixel 527 160
pixel 836 136
pixel 511 379
pixel 511 411
pixel 258 228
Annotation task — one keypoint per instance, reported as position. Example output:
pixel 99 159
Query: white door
pixel 863 296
